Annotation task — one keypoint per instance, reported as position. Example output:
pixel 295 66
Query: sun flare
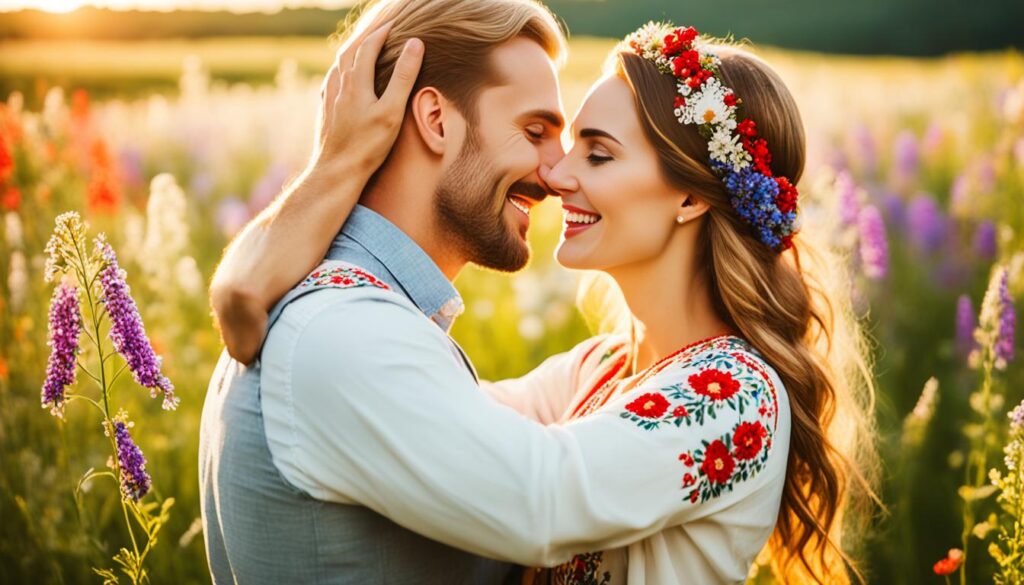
pixel 60 6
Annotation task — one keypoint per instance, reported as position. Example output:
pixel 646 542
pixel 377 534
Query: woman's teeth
pixel 519 206
pixel 581 218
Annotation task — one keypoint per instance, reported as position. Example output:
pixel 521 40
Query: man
pixel 482 124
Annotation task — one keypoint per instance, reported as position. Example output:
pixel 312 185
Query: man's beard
pixel 466 211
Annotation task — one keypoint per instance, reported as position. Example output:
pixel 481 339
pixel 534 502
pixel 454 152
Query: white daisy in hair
pixel 707 105
pixel 725 147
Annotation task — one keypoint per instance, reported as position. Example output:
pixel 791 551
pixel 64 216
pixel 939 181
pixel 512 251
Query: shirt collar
pixel 413 270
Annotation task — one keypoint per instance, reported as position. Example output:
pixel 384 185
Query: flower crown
pixel 742 159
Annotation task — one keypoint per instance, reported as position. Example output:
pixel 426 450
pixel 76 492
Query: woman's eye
pixel 596 159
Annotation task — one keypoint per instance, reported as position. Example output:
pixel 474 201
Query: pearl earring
pixel 680 219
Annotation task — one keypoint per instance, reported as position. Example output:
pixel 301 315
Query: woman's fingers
pixel 403 78
pixel 347 53
pixel 367 53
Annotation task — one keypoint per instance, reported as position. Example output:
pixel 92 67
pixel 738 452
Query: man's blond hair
pixel 459 36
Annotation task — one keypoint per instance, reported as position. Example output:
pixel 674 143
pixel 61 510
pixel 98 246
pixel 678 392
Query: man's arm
pixel 384 417
pixel 288 238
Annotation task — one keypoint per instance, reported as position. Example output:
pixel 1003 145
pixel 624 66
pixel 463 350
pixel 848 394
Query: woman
pixel 679 186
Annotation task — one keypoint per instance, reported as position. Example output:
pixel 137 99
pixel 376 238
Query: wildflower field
pixel 915 171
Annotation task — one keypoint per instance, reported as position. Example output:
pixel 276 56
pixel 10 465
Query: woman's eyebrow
pixel 595 133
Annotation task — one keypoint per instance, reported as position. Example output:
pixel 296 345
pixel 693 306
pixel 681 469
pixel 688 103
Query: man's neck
pixel 410 207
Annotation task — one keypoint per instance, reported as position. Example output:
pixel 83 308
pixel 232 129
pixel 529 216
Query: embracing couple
pixel 346 437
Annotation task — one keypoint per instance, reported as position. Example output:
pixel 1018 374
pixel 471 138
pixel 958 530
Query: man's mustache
pixel 531 190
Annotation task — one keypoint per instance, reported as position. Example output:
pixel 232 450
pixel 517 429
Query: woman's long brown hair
pixel 793 308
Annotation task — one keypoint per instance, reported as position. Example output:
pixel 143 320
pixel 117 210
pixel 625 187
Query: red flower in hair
pixel 718 463
pixel 747 128
pixel 748 439
pixel 730 99
pixel 715 384
pixel 680 101
pixel 651 405
pixel 786 199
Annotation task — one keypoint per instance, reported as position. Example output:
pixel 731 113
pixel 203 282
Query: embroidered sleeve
pixel 390 421
pixel 727 403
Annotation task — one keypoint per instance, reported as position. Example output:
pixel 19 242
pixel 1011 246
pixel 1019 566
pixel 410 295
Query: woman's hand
pixel 355 126
pixel 280 246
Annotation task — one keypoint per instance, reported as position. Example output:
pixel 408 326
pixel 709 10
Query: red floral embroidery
pixel 651 405
pixel 718 463
pixel 747 440
pixel 343 276
pixel 680 411
pixel 689 480
pixel 715 384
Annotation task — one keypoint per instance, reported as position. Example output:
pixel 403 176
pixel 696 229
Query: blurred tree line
pixel 866 27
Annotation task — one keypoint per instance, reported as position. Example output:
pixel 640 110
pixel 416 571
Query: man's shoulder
pixel 340 304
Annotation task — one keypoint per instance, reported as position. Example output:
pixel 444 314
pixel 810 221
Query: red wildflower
pixel 80 106
pixel 11 199
pixel 651 405
pixel 6 161
pixel 680 101
pixel 103 194
pixel 730 99
pixel 747 439
pixel 714 384
pixel 718 463
pixel 950 563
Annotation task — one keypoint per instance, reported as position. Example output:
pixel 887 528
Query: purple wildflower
pixel 865 147
pixel 1016 417
pixel 65 327
pixel 926 223
pixel 1007 322
pixel 905 155
pixel 874 248
pixel 127 331
pixel 985 240
pixel 965 323
pixel 135 481
pixel 849 198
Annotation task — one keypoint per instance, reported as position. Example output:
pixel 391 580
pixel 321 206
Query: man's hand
pixel 289 238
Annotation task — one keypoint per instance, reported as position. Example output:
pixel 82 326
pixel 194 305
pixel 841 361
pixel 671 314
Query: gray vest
pixel 260 529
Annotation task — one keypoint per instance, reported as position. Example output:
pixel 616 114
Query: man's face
pixel 485 196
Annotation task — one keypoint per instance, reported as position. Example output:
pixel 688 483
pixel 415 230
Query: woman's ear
pixel 429 110
pixel 690 208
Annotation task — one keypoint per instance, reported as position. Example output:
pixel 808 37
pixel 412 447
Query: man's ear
pixel 430 111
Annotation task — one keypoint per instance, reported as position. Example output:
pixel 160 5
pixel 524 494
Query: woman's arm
pixel 545 392
pixel 288 238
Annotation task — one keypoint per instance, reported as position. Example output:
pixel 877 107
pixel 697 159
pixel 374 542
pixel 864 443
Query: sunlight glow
pixel 65 6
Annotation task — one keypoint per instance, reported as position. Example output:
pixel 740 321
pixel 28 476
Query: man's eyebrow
pixel 549 116
pixel 595 133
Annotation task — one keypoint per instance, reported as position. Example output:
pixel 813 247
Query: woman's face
pixel 618 209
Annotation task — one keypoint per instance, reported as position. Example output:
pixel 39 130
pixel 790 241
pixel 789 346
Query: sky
pixel 60 6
